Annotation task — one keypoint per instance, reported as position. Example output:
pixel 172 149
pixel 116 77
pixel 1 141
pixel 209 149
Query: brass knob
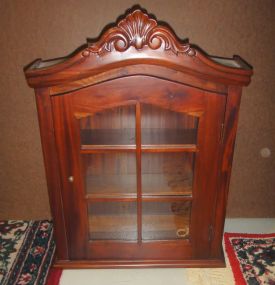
pixel 71 179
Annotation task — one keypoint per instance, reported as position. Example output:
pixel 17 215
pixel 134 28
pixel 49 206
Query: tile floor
pixel 171 276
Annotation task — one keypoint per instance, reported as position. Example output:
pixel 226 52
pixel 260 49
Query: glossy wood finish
pixel 138 133
pixel 187 263
pixel 52 170
pixel 126 91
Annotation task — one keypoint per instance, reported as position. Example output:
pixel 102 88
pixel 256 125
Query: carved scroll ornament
pixel 138 30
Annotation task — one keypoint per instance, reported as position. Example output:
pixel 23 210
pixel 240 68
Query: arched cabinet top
pixel 138 44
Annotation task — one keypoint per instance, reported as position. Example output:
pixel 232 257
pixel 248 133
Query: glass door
pixel 168 146
pixel 108 156
pixel 138 168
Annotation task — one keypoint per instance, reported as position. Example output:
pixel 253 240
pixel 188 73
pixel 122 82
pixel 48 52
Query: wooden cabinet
pixel 138 133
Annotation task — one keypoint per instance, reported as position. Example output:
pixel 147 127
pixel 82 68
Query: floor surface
pixel 157 276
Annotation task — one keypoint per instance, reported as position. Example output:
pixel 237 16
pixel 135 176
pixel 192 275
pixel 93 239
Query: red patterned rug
pixel 252 258
pixel 27 249
pixel 26 252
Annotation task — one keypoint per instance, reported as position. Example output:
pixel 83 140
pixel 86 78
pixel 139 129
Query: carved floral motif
pixel 138 30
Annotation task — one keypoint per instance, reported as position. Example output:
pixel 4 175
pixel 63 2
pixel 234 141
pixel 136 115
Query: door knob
pixel 71 179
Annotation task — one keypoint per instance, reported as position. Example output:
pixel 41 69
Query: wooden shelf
pixel 170 148
pixel 124 186
pixel 152 140
pixel 86 149
pixel 122 227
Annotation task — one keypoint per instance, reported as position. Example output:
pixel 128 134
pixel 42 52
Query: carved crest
pixel 138 30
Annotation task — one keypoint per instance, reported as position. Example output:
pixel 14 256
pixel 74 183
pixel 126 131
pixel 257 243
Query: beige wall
pixel 50 28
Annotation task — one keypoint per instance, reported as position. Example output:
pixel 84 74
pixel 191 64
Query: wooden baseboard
pixel 78 264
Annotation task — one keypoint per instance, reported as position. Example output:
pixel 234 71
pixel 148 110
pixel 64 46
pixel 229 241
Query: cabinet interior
pixel 109 151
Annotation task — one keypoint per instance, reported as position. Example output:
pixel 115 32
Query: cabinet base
pixel 206 263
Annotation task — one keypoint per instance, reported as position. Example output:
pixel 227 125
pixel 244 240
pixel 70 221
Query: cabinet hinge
pixel 222 133
pixel 210 233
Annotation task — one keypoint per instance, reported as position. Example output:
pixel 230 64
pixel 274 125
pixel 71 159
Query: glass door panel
pixel 108 157
pixel 114 126
pixel 165 220
pixel 112 220
pixel 110 174
pixel 165 127
pixel 167 173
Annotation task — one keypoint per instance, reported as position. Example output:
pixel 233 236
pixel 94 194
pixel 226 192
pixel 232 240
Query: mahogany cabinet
pixel 138 132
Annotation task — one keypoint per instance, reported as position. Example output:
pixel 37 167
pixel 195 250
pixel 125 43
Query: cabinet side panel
pixel 228 140
pixel 52 170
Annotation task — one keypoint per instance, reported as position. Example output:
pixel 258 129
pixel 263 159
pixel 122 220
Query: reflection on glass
pixel 165 220
pixel 162 126
pixel 167 173
pixel 110 173
pixel 112 220
pixel 114 126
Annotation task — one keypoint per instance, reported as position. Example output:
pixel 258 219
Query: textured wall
pixel 50 28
